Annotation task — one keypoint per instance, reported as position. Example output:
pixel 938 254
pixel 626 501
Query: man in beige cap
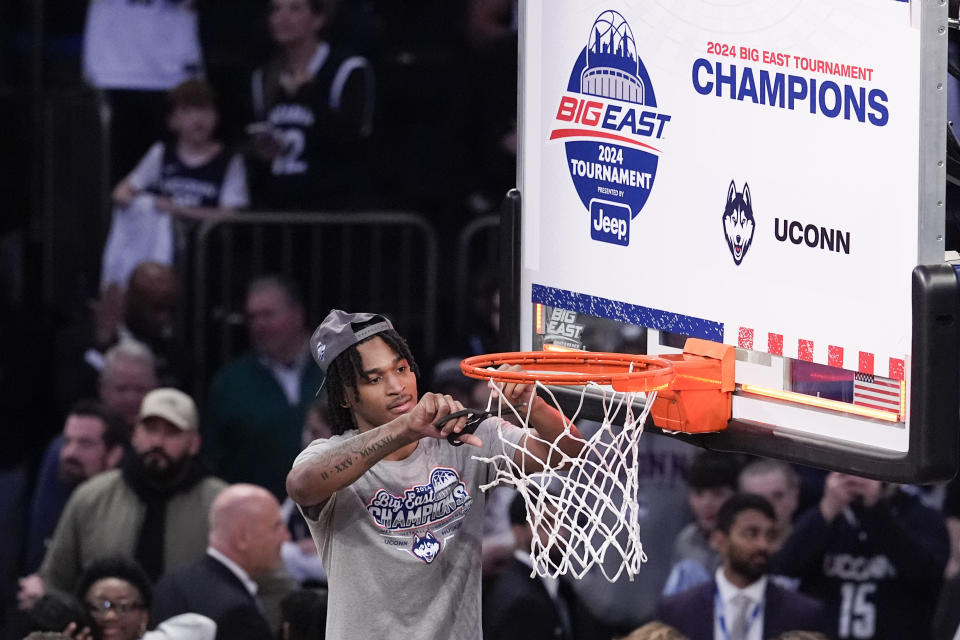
pixel 150 509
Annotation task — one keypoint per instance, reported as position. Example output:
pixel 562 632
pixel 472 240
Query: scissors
pixel 476 417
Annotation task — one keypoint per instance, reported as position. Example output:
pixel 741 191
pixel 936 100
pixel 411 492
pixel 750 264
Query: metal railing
pixel 56 181
pixel 358 261
pixel 477 244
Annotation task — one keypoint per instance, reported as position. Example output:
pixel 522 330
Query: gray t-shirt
pixel 401 545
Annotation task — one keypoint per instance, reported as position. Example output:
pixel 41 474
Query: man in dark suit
pixel 246 534
pixel 519 607
pixel 740 603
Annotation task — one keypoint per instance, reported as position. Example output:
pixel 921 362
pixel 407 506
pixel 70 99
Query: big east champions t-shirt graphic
pixel 608 116
pixel 426 514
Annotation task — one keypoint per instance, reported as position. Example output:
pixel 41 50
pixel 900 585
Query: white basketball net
pixel 584 511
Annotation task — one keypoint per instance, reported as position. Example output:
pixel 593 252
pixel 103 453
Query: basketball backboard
pixel 764 175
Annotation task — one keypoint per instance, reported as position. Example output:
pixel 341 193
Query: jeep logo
pixel 610 222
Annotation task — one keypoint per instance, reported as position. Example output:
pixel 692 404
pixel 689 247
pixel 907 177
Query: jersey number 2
pixel 290 163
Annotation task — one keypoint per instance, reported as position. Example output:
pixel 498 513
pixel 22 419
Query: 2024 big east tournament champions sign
pixel 743 172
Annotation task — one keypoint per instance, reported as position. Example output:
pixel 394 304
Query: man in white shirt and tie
pixel 247 532
pixel 740 603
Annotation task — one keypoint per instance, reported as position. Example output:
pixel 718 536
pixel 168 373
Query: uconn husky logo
pixel 611 128
pixel 738 224
pixel 426 547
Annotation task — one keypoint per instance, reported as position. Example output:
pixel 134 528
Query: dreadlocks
pixel 343 372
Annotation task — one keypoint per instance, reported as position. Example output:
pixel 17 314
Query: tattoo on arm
pixel 376 445
pixel 332 463
pixel 338 461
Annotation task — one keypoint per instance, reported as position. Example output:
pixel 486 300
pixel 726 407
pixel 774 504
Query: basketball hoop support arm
pixel 699 398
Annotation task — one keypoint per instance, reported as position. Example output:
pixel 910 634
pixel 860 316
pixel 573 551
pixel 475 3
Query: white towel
pixel 186 626
pixel 138 233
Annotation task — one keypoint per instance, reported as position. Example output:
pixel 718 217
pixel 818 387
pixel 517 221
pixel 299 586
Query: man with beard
pixel 93 441
pixel 128 375
pixel 148 509
pixel 740 603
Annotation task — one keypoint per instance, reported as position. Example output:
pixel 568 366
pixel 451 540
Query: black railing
pixel 359 261
pixel 477 249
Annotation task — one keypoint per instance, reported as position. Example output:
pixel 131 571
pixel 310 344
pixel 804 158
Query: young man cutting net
pixel 395 510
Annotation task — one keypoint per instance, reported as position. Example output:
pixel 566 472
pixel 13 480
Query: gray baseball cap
pixel 337 333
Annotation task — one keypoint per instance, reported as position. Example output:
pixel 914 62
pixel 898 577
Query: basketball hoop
pixel 584 511
pixel 622 371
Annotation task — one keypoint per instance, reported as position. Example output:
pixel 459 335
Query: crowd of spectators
pixel 114 536
pixel 127 507
pixel 137 460
pixel 331 89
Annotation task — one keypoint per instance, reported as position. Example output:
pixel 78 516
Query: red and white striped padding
pixel 822 353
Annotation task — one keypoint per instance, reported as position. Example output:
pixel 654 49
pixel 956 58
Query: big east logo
pixel 609 121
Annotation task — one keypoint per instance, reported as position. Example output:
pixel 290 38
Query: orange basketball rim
pixel 693 388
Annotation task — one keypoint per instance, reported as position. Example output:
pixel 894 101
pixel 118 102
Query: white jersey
pixel 141 44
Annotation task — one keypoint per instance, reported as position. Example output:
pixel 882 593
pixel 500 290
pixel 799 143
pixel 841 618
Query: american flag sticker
pixel 876 392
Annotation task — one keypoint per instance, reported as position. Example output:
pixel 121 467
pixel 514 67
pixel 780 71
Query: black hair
pixel 115 432
pixel 711 469
pixel 341 376
pixel 305 610
pixel 55 610
pixel 117 567
pixel 739 503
